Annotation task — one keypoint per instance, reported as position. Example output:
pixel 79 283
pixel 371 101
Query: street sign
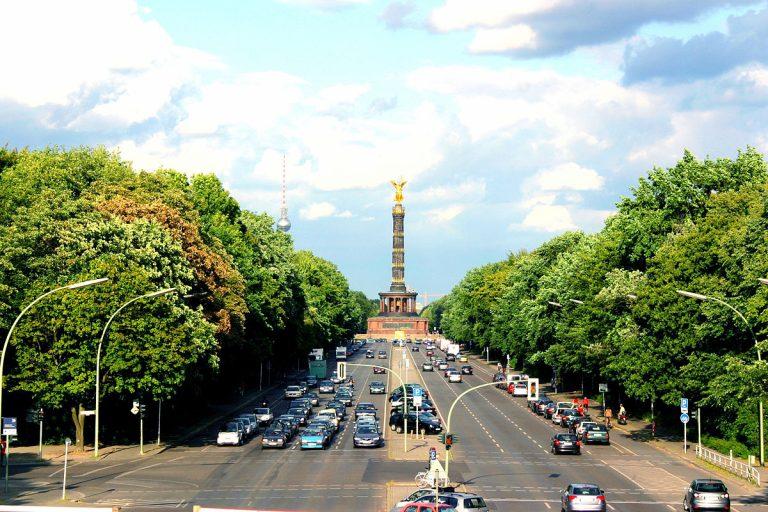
pixel 417 400
pixel 684 405
pixel 684 418
pixel 87 413
pixel 417 392
pixel 135 408
pixel 9 427
pixel 602 388
pixel 433 453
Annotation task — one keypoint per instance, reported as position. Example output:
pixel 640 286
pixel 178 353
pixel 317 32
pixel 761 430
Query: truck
pixel 341 353
pixel 317 368
pixel 453 348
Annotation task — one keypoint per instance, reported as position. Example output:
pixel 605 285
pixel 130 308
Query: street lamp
pixel 576 301
pixel 150 295
pixel 73 286
pixel 556 304
pixel 699 296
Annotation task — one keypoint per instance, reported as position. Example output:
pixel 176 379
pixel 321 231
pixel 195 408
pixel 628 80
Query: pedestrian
pixel 585 401
pixel 580 409
pixel 3 460
pixel 608 416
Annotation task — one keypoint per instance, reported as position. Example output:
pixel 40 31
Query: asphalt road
pixel 502 454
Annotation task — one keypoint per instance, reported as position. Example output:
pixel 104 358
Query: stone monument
pixel 397 307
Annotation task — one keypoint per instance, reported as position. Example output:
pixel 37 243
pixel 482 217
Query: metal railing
pixel 729 464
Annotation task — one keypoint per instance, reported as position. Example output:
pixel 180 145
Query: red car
pixel 378 369
pixel 430 353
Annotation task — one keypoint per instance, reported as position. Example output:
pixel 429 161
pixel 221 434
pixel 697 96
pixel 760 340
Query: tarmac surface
pixel 502 454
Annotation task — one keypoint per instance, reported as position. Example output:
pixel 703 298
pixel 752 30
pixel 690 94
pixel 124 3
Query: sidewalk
pixel 54 454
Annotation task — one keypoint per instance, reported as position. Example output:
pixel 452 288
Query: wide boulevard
pixel 502 454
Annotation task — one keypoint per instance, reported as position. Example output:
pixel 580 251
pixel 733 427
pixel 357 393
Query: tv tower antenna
pixel 283 224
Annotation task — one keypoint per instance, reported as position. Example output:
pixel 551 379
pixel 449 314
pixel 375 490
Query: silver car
pixel 458 501
pixel 293 392
pixel 583 497
pixel 707 494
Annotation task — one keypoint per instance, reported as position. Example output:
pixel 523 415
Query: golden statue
pixel 398 189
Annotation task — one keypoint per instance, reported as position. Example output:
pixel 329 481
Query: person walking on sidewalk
pixel 585 401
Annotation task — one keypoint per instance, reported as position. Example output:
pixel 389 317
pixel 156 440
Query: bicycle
pixel 423 480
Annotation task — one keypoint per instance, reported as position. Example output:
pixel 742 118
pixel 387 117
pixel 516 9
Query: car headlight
pixel 357 439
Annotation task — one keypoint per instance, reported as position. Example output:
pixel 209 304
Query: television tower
pixel 283 224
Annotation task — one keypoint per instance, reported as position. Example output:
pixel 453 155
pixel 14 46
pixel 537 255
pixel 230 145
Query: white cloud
pixel 550 218
pixel 100 60
pixel 461 14
pixel 323 209
pixel 471 190
pixel 325 4
pixel 500 40
pixel 448 213
pixel 338 95
pixel 567 176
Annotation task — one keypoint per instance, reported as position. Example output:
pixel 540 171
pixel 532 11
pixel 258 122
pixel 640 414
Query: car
pixel 579 425
pixel 466 369
pixel 500 380
pixel 428 423
pixel 300 404
pixel 244 425
pixel 326 387
pixel 263 415
pixel 426 366
pixel 450 357
pixel 313 438
pixel 583 497
pixel 329 415
pixel 367 436
pixel 369 354
pixel 377 387
pixel 596 433
pixel 298 412
pixel 454 376
pixel 414 348
pixel 335 378
pixel 549 410
pixel 378 370
pixel 567 416
pixel 326 425
pixel 442 365
pixel 341 409
pixel 429 353
pixel 365 409
pixel 518 389
pixel 382 354
pixel 304 386
pixel 367 421
pixel 556 416
pixel 312 381
pixel 314 399
pixel 293 392
pixel 463 358
pixel 291 424
pixel 230 433
pixel 707 494
pixel 457 501
pixel 448 371
pixel 274 438
pixel 344 398
pixel 251 425
pixel 542 404
pixel 565 443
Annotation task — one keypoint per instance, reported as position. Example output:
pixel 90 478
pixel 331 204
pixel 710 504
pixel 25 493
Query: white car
pixel 557 415
pixel 230 433
pixel 454 377
pixel 521 389
pixel 583 427
pixel 264 415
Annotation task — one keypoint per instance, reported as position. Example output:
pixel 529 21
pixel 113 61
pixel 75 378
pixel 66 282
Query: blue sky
pixel 512 120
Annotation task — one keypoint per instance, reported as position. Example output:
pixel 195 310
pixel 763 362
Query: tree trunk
pixel 79 420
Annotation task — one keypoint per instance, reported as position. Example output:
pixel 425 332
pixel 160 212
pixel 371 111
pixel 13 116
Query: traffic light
pixel 693 415
pixel 142 409
pixel 448 441
pixel 341 370
pixel 441 438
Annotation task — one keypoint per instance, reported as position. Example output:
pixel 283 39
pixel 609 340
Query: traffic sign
pixel 9 427
pixel 602 388
pixel 417 400
pixel 684 405
pixel 684 418
pixel 433 453
pixel 417 392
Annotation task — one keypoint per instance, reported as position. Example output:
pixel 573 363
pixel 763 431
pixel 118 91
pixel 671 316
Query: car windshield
pixel 599 428
pixel 293 388
pixel 567 437
pixel 326 383
pixel 262 411
pixel 366 430
pixel 590 490
pixel 229 427
pixel 296 410
pixel 711 487
pixel 313 433
pixel 425 416
pixel 273 432
pixel 474 502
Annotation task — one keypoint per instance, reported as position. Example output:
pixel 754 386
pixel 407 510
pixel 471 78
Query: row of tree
pixel 72 215
pixel 604 306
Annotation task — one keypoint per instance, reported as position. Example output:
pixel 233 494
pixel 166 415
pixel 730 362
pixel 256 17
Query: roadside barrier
pixel 729 464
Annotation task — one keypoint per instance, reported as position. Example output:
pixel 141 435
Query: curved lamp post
pixel 157 293
pixel 702 297
pixel 73 286
pixel 448 421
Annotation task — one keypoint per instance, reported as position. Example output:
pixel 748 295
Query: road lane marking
pixel 62 468
pixel 101 469
pixel 547 505
pixel 622 474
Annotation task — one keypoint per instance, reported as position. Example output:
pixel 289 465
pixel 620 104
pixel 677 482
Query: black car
pixel 466 369
pixel 341 409
pixel 274 438
pixel 298 412
pixel 367 437
pixel 345 398
pixel 365 409
pixel 426 406
pixel 369 354
pixel 312 381
pixel 414 348
pixel 450 357
pixel 377 387
pixel 501 379
pixel 565 443
pixel 428 424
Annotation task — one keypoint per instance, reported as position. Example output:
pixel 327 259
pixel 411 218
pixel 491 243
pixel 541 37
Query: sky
pixel 511 120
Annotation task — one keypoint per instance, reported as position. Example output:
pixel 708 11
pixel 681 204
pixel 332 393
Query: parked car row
pixel 242 428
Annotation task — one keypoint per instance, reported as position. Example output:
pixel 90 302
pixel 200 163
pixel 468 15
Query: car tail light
pixel 601 498
pixel 571 497
pixel 578 443
pixel 696 495
pixel 724 496
pixel 557 443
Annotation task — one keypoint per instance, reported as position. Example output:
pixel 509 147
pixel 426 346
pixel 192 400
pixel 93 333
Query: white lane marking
pixel 670 507
pixel 121 475
pixel 62 468
pixel 547 505
pixel 622 474
pixel 102 469
pixel 611 506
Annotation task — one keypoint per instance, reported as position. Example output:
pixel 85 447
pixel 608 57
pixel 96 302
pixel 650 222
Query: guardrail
pixel 729 464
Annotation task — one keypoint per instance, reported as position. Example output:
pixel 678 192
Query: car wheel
pixel 399 430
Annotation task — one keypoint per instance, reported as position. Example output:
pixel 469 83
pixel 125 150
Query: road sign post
pixel 67 442
pixel 603 389
pixel 684 419
pixel 698 427
pixel 9 429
